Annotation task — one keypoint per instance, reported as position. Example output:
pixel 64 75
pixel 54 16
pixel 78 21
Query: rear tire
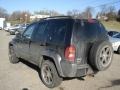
pixel 49 74
pixel 118 51
pixel 12 56
pixel 101 55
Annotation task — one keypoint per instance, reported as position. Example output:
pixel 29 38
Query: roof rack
pixel 60 17
pixel 54 17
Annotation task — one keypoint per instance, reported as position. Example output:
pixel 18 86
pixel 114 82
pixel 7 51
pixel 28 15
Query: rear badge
pixel 79 60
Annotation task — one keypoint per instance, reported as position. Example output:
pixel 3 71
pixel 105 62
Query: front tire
pixel 49 74
pixel 12 56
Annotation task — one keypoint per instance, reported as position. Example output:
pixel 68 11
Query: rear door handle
pixel 47 44
pixel 44 44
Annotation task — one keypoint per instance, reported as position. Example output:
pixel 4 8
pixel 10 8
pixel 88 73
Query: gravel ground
pixel 23 76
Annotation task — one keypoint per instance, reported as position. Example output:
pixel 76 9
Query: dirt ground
pixel 23 76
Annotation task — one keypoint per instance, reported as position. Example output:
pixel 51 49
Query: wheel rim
pixel 105 56
pixel 47 74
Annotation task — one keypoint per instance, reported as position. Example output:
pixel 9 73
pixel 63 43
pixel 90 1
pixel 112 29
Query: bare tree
pixel 21 16
pixel 103 10
pixel 111 9
pixel 54 13
pixel 74 13
pixel 42 12
pixel 85 14
pixel 15 15
pixel 48 12
pixel 88 13
pixel 25 16
pixel 118 15
pixel 111 13
pixel 108 12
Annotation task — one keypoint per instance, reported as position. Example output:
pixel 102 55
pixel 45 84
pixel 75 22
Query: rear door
pixel 38 42
pixel 86 33
pixel 57 30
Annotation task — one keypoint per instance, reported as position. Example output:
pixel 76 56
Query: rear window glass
pixel 89 29
pixel 93 29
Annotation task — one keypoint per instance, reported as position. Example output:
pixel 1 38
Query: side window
pixel 40 33
pixel 91 29
pixel 28 32
pixel 57 29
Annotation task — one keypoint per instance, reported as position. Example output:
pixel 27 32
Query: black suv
pixel 63 46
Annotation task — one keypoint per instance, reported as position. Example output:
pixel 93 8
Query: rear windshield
pixel 89 29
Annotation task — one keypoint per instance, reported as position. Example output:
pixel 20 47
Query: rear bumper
pixel 74 70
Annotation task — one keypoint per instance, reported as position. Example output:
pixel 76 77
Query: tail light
pixel 70 53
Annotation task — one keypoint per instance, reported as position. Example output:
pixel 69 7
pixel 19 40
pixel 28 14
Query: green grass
pixel 111 25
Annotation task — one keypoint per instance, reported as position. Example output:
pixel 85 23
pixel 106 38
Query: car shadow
pixel 32 66
pixel 36 68
pixel 113 83
pixel 25 89
pixel 115 52
pixel 29 64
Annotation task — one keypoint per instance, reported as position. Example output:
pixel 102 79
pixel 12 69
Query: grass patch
pixel 111 25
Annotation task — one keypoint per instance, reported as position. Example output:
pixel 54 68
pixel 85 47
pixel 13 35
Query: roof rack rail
pixel 52 17
pixel 60 17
